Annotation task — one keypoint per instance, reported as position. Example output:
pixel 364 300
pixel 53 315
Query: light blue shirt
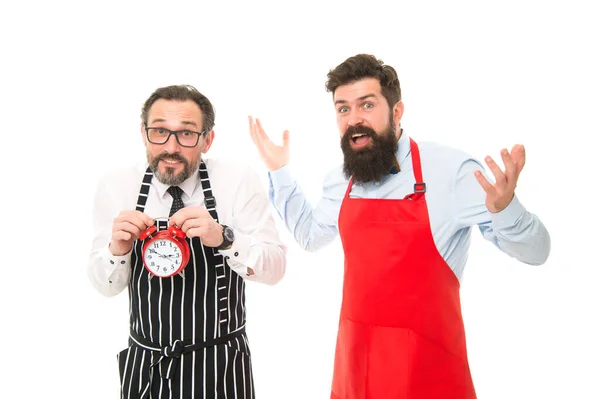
pixel 455 201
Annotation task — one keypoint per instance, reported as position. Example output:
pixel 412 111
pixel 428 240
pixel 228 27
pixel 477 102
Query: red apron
pixel 401 332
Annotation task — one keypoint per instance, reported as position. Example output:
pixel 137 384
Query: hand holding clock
pixel 127 227
pixel 195 221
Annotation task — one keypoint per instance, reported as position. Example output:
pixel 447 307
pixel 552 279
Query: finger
pixel 129 228
pixel 178 218
pixel 252 128
pixel 196 232
pixel 261 131
pixel 518 156
pixel 189 212
pixel 263 135
pixel 138 218
pixel 122 236
pixel 192 223
pixel 484 183
pixel 122 225
pixel 148 221
pixel 511 168
pixel 266 145
pixel 260 137
pixel 286 139
pixel 134 220
pixel 496 171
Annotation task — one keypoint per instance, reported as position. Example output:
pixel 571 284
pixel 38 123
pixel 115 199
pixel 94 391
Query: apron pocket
pixel 238 345
pixel 437 373
pixel 388 364
pixel 134 364
pixel 367 362
pixel 122 358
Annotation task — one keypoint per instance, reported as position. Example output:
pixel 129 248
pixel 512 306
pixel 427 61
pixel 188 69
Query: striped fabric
pixel 205 303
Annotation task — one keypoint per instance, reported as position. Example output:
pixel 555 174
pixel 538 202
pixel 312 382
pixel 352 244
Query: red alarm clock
pixel 165 253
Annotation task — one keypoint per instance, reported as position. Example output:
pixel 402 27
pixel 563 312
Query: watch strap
pixel 225 242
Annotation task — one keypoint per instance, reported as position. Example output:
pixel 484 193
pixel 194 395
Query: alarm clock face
pixel 163 257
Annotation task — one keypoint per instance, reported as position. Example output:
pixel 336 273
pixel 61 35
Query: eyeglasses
pixel 185 138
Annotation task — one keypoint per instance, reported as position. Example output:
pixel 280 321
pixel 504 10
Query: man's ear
pixel 143 132
pixel 398 112
pixel 210 136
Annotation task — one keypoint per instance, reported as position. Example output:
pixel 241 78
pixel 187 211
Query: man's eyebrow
pixel 192 123
pixel 189 123
pixel 360 99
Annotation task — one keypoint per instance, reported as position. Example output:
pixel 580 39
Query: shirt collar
pixel 402 152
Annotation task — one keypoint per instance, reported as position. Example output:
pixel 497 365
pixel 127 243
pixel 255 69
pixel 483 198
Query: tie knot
pixel 175 192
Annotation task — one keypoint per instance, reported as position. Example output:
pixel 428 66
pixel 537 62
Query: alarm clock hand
pixel 166 256
pixel 159 254
pixel 170 257
pixel 154 251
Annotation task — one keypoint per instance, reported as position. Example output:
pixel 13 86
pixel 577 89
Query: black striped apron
pixel 187 336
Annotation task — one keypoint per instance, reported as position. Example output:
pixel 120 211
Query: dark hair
pixel 366 66
pixel 182 93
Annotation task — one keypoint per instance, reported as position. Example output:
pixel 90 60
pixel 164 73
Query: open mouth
pixel 360 139
pixel 170 161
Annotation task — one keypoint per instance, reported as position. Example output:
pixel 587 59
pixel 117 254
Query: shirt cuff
pixel 115 264
pixel 509 216
pixel 281 177
pixel 239 256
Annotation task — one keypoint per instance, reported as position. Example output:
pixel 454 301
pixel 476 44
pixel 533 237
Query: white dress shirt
pixel 242 204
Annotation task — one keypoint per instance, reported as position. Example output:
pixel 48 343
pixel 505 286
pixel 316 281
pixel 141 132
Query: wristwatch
pixel 228 237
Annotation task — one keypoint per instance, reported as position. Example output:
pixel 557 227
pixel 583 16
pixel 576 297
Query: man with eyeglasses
pixel 187 331
pixel 404 212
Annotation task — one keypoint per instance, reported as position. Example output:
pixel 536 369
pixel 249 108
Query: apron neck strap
pixel 209 200
pixel 420 186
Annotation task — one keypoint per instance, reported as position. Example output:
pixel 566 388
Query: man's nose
pixel 355 119
pixel 172 145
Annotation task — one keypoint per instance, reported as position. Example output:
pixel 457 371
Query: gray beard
pixel 169 177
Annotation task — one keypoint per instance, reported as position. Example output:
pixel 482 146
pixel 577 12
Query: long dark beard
pixel 169 177
pixel 371 163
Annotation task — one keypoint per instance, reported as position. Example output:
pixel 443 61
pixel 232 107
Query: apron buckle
pixel 420 187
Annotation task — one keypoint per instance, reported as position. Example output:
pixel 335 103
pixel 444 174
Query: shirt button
pixel 112 262
pixel 236 254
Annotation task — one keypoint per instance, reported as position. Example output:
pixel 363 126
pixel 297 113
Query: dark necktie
pixel 177 202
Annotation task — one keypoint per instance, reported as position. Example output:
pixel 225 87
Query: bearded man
pixel 187 334
pixel 404 212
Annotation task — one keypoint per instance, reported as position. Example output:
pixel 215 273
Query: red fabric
pixel 401 331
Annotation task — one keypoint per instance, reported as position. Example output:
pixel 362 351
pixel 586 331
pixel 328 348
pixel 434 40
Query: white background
pixel 476 75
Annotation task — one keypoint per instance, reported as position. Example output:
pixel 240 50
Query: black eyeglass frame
pixel 174 132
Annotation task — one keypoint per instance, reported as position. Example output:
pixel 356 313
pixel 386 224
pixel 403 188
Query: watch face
pixel 228 234
pixel 163 257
